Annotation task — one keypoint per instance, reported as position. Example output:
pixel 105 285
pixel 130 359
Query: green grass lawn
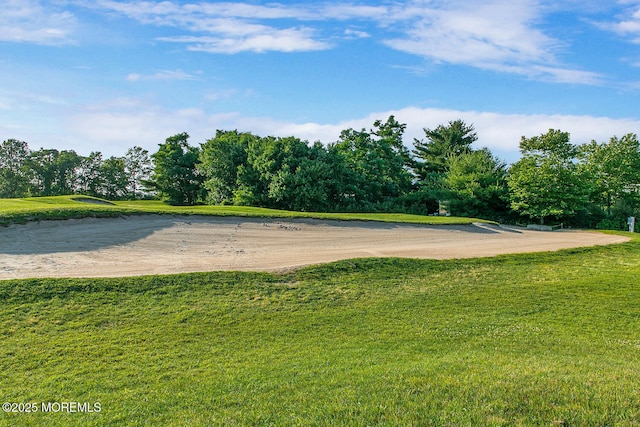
pixel 537 339
pixel 64 207
pixel 533 339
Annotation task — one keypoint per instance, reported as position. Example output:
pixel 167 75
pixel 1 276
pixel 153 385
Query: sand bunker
pixel 156 244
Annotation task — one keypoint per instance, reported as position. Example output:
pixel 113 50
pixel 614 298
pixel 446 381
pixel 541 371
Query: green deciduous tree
pixel 314 185
pixel 221 158
pixel 66 172
pixel 612 169
pixel 90 179
pixel 137 167
pixel 54 172
pixel 114 178
pixel 546 181
pixel 14 171
pixel 175 176
pixel 269 175
pixel 376 162
pixel 41 163
pixel 284 173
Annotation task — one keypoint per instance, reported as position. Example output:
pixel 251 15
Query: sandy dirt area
pixel 156 244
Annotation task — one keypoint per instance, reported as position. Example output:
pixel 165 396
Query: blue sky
pixel 105 75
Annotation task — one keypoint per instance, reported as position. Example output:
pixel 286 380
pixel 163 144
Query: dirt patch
pixel 156 244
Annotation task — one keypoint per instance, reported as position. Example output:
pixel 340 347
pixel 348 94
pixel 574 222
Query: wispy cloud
pixel 628 24
pixel 15 100
pixel 356 34
pixel 30 21
pixel 504 36
pixel 162 75
pixel 226 27
pixel 498 35
pixel 268 39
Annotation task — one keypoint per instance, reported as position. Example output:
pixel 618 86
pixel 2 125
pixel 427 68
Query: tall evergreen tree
pixel 477 186
pixel 441 143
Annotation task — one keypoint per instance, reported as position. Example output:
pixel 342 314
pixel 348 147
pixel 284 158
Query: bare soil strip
pixel 157 244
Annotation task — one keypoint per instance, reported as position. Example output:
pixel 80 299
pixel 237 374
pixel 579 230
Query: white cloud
pixel 490 31
pixel 498 35
pixel 287 40
pixel 550 74
pixel 251 11
pixel 350 33
pixel 628 25
pixel 226 27
pixel 502 132
pixel 30 101
pixel 213 96
pixel 116 126
pixel 29 21
pixel 162 75
pixel 170 13
pixel 344 11
pixel 499 132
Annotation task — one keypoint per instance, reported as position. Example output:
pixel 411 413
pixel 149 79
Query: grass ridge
pixel 68 207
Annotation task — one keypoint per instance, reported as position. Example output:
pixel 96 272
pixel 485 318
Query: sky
pixel 107 75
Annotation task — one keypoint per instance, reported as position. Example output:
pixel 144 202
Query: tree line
pixel 50 172
pixel 591 185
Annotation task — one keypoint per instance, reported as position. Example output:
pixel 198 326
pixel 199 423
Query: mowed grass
pixel 65 207
pixel 536 339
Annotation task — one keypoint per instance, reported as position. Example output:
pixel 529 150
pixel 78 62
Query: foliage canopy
pixel 594 185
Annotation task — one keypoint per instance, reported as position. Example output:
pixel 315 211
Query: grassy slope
pixel 61 207
pixel 537 339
